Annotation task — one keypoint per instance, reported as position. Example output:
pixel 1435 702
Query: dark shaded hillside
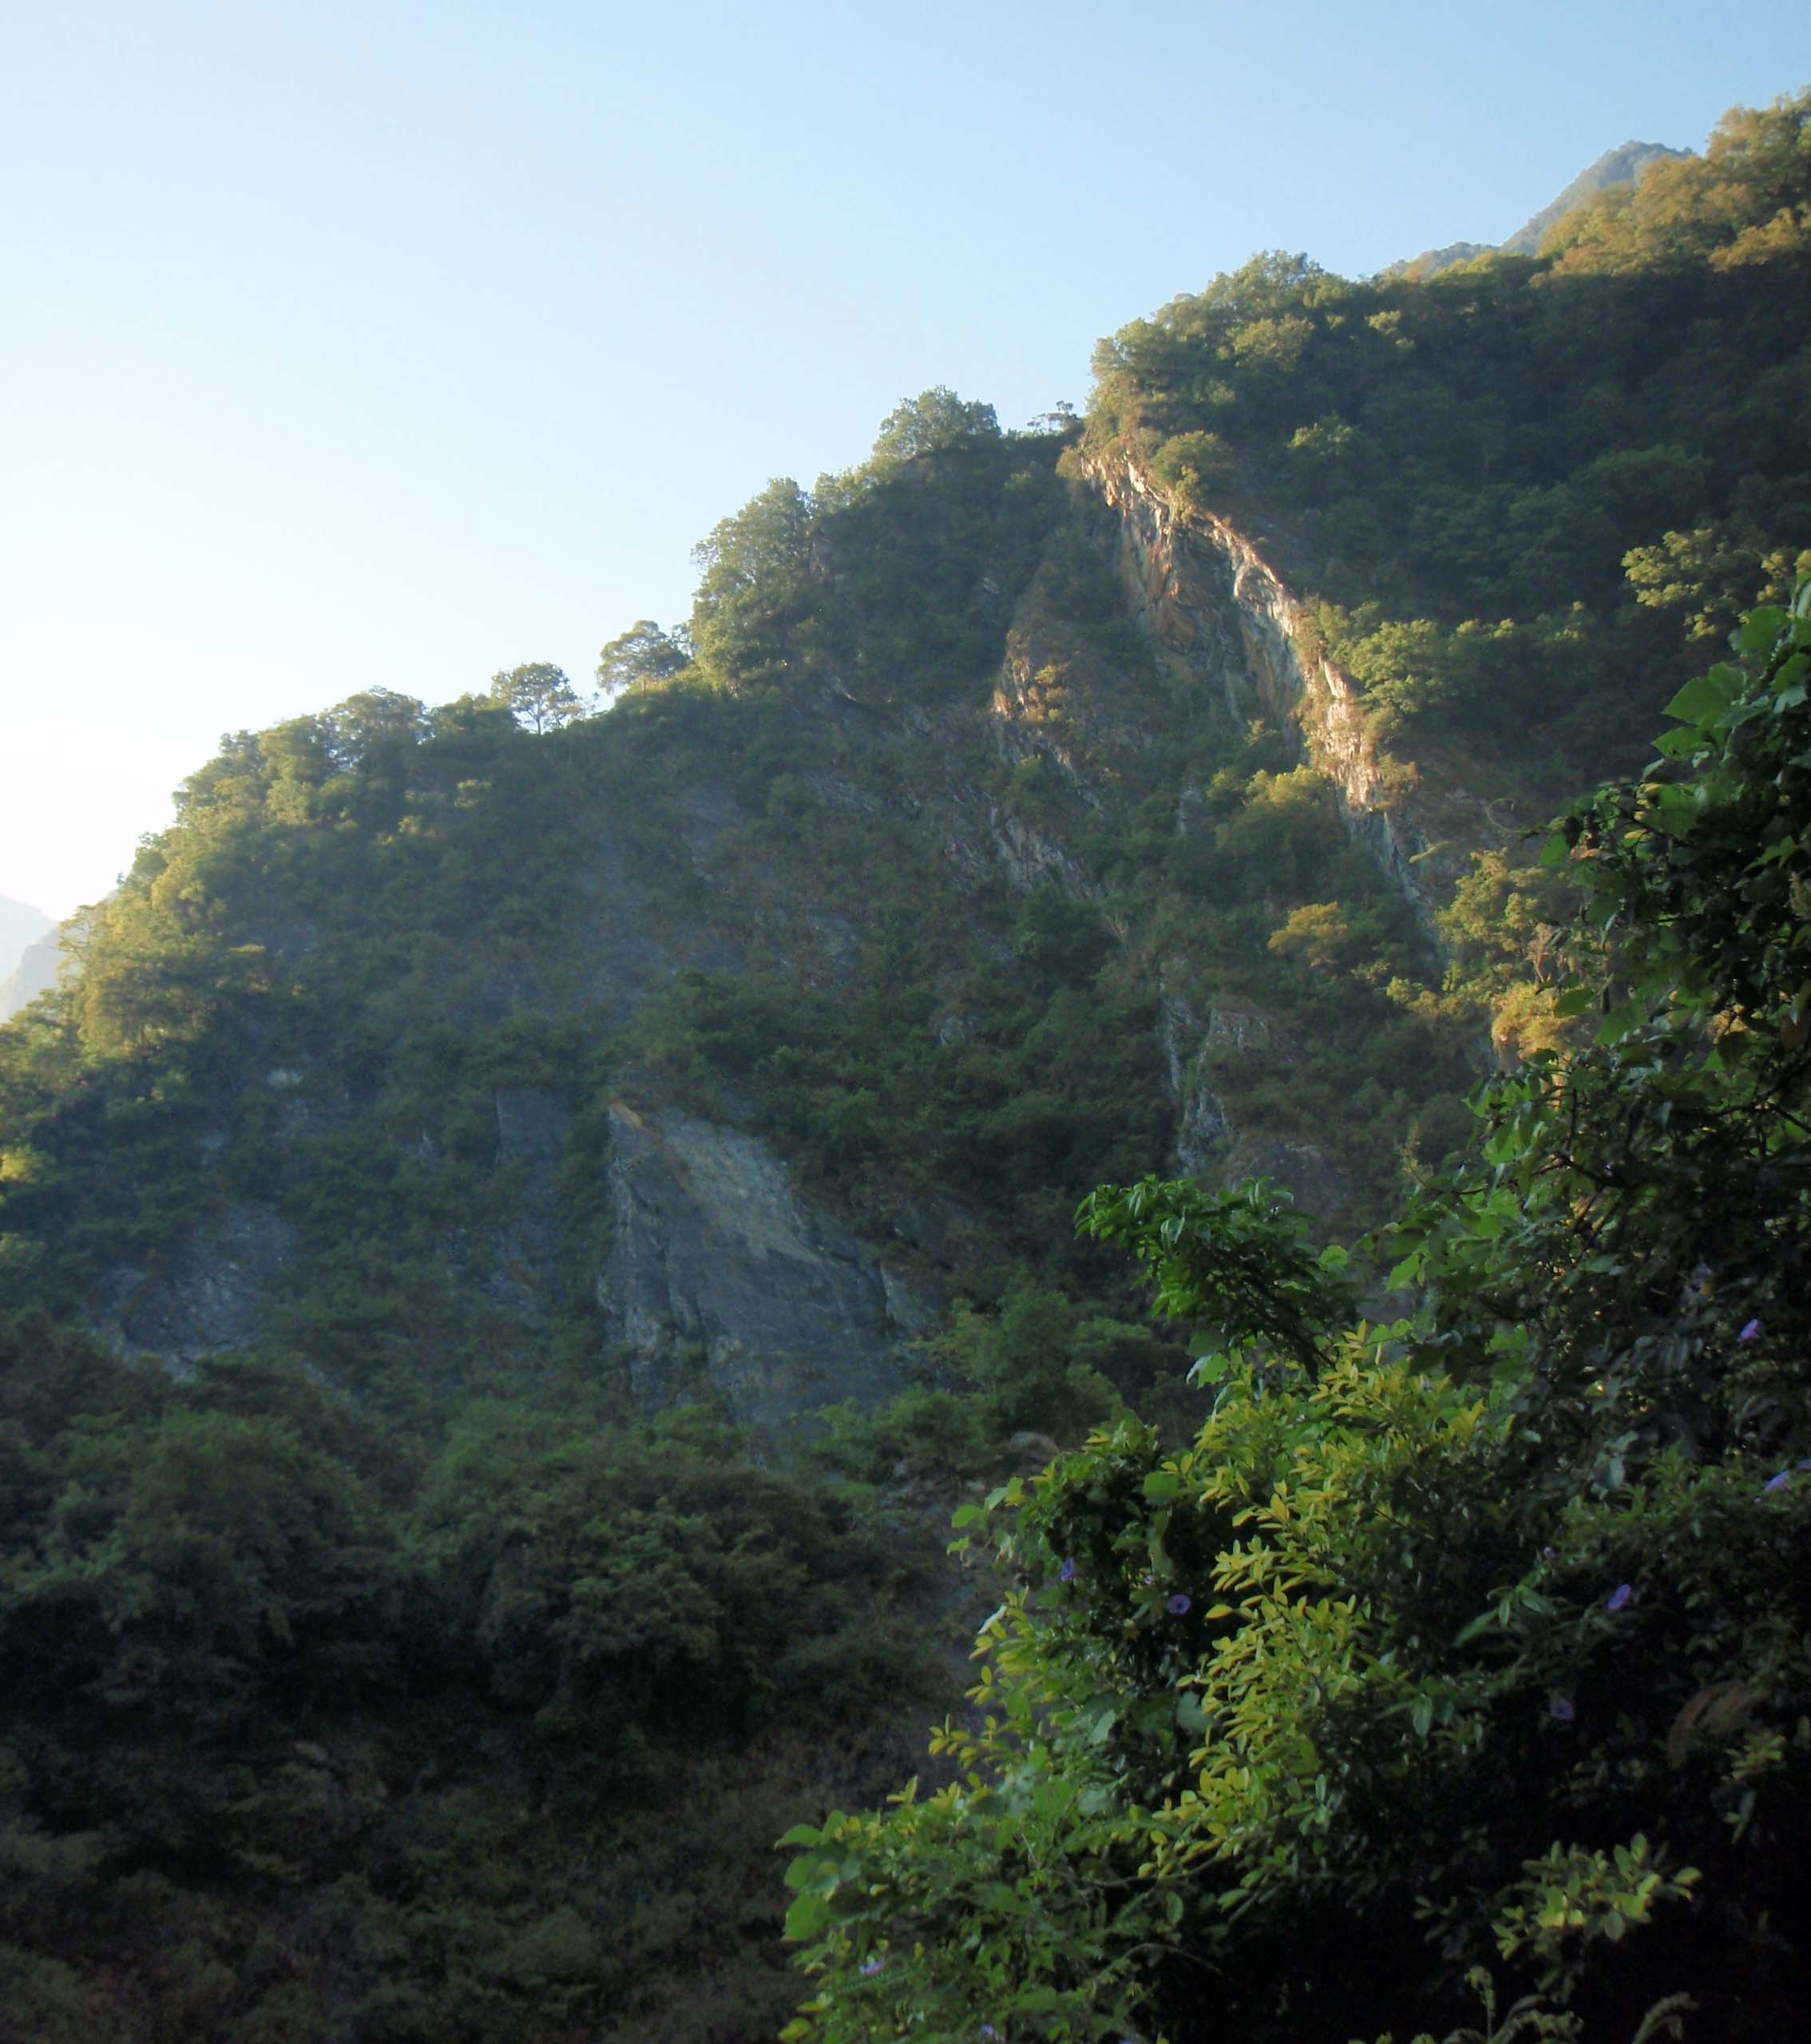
pixel 524 1224
pixel 928 880
pixel 438 1098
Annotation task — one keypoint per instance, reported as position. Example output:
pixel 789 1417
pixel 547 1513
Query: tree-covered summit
pixel 1507 486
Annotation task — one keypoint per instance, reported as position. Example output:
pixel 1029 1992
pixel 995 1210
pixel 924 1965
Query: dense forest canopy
pixel 1509 485
pixel 392 1665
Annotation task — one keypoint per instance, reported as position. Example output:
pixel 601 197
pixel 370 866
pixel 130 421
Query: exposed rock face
pixel 1202 1131
pixel 1209 1144
pixel 718 1272
pixel 1209 599
pixel 531 1126
pixel 1028 858
pixel 213 1296
pixel 718 1265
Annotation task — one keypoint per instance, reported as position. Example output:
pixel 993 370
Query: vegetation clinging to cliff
pixel 1506 485
pixel 1474 1641
pixel 399 1682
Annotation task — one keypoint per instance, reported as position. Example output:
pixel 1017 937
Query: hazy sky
pixel 384 345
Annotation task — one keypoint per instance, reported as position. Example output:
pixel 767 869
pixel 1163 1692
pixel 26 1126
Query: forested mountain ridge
pixel 1620 166
pixel 507 1122
pixel 940 938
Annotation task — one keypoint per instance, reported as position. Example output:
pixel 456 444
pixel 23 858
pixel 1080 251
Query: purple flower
pixel 1561 1707
pixel 1806 1463
pixel 1751 1333
pixel 1067 1572
pixel 1178 1604
pixel 1776 1483
pixel 1620 1599
pixel 871 1967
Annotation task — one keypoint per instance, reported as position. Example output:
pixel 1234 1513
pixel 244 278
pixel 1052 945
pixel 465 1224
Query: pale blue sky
pixel 350 346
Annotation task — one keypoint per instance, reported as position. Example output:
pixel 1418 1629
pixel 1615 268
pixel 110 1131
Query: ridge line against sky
pixel 388 346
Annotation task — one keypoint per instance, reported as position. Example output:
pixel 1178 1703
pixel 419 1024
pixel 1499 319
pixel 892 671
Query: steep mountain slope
pixel 512 1131
pixel 444 1046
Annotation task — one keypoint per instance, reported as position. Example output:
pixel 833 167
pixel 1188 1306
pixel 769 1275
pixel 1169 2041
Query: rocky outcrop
pixel 1209 1145
pixel 213 1294
pixel 1210 600
pixel 523 1278
pixel 719 1271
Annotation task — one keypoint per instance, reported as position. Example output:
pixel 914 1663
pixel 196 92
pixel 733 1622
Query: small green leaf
pixel 1759 628
pixel 805 1918
pixel 1706 695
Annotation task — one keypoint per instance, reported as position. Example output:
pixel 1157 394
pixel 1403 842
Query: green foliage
pixel 1034 1360
pixel 1064 942
pixel 390 1681
pixel 1477 1631
pixel 933 420
pixel 1641 1198
pixel 645 656
pixel 318 1732
pixel 1234 1261
pixel 1462 465
pixel 1744 202
pixel 538 697
pixel 752 588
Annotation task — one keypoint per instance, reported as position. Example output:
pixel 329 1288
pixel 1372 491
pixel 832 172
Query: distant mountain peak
pixel 21 926
pixel 1618 166
pixel 1622 165
pixel 32 972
